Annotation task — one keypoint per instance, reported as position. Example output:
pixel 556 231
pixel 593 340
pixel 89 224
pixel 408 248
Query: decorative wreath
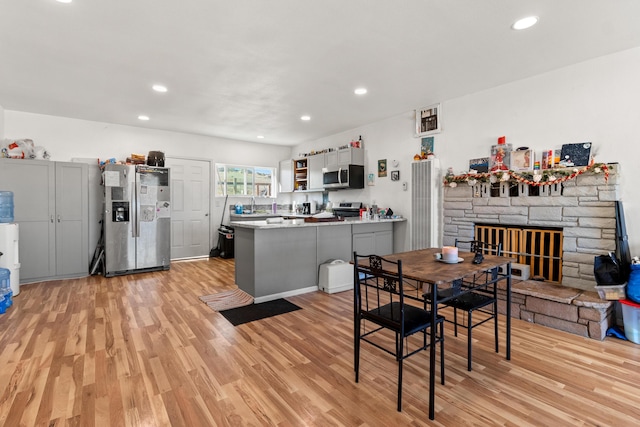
pixel 535 178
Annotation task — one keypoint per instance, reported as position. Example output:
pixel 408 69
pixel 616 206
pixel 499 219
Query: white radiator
pixel 426 196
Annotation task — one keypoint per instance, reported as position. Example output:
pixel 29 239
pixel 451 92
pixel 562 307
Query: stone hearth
pixel 572 310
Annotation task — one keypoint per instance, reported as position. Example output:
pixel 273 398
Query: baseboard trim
pixel 271 297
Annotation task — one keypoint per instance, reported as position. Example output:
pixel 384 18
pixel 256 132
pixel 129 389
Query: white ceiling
pixel 242 68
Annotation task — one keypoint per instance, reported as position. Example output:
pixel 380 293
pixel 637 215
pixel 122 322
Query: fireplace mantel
pixel 584 207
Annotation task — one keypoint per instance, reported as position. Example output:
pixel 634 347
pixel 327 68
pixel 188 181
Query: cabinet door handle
pixel 51 219
pixel 58 218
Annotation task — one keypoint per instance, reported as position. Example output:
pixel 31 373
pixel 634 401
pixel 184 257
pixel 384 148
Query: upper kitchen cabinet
pixel 300 174
pixel 286 176
pixel 51 206
pixel 315 164
pixel 345 156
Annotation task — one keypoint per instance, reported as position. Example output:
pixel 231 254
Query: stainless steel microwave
pixel 348 176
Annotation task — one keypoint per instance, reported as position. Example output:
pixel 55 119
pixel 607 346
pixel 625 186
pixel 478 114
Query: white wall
pixel 67 138
pixel 593 101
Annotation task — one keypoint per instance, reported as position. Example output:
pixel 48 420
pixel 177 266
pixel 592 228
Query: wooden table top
pixel 422 265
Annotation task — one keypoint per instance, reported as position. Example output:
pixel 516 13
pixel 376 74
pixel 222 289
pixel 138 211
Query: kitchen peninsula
pixel 275 260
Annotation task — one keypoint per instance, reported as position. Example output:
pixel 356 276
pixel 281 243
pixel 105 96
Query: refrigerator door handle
pixel 136 227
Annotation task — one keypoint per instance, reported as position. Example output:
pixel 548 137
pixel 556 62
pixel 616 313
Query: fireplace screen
pixel 539 248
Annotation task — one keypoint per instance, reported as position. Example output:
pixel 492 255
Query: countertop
pixel 265 214
pixel 299 222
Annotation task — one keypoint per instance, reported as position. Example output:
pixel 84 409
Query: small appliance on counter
pixel 309 208
pixel 347 209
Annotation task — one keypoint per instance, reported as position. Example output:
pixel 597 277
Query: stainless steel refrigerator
pixel 137 219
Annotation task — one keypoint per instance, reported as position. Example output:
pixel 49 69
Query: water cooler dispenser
pixel 9 259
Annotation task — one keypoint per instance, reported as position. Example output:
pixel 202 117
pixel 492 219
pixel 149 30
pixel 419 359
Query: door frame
pixel 210 197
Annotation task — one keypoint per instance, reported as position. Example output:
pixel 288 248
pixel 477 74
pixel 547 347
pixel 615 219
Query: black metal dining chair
pixel 482 300
pixel 379 299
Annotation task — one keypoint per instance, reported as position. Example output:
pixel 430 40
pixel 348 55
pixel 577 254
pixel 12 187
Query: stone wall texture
pixel 583 207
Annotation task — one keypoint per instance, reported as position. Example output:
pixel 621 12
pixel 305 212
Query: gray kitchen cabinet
pixel 334 242
pixel 286 176
pixel 314 172
pixel 373 238
pixel 51 207
pixel 344 157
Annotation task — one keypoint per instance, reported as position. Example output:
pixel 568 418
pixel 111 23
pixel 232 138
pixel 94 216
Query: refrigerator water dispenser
pixel 120 211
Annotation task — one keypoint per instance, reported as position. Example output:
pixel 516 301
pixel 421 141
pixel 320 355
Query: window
pixel 235 180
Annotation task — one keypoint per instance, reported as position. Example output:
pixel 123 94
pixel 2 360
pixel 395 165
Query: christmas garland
pixel 536 178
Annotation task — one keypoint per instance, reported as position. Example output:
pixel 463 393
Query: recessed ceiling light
pixel 260 136
pixel 524 23
pixel 64 1
pixel 159 88
pixel 360 91
pixel 144 118
pixel 305 118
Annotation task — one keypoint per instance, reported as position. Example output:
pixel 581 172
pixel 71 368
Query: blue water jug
pixel 6 206
pixel 5 290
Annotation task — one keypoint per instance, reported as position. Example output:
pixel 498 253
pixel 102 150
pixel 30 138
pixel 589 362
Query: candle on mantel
pixel 450 253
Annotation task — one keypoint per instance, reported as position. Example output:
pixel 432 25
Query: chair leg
pixel 399 351
pixel 356 347
pixel 469 329
pixel 441 351
pixel 495 321
pixel 455 321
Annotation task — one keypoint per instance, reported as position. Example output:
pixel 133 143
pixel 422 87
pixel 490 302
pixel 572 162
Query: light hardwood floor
pixel 142 350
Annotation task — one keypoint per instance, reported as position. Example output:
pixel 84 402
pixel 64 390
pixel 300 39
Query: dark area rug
pixel 249 313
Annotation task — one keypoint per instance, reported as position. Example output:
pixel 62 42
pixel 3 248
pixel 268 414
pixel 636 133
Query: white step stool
pixel 335 276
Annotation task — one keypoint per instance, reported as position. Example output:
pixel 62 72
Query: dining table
pixel 432 272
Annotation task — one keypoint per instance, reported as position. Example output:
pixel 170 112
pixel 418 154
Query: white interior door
pixel 190 221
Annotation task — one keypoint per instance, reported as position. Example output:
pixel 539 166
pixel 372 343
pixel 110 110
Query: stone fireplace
pixel 583 208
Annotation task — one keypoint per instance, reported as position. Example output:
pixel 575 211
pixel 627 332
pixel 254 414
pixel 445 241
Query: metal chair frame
pixel 482 299
pixel 380 299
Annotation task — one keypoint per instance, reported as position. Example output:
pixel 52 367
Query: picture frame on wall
pixel 371 179
pixel 480 165
pixel 522 160
pixel 382 168
pixel 575 154
pixel 395 175
pixel 428 120
pixel 426 146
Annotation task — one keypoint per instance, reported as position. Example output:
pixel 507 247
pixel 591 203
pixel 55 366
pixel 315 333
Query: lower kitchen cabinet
pixel 52 209
pixel 373 238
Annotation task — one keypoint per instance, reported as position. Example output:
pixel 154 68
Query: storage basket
pixel 612 292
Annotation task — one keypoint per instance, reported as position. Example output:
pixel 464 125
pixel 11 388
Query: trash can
pixel 631 320
pixel 225 241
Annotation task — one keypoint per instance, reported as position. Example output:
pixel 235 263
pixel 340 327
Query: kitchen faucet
pixel 253 204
